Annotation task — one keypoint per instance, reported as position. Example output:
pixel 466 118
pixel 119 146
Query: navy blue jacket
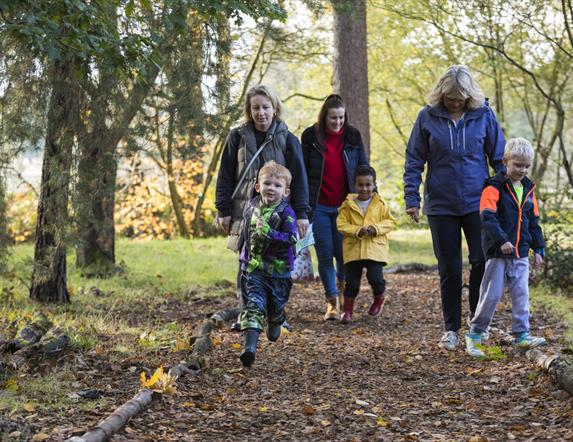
pixel 457 158
pixel 312 147
pixel 503 219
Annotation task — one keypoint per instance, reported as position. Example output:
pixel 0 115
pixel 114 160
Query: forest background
pixel 132 100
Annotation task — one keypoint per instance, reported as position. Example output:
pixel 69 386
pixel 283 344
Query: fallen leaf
pixel 381 422
pixel 325 423
pixel 236 345
pixel 309 410
pixel 40 437
pixel 29 407
pixel 263 409
pixel 216 341
pixel 362 403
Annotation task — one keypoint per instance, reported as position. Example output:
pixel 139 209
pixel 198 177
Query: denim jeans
pixel 374 275
pixel 328 245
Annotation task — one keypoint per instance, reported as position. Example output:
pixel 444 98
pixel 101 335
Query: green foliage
pixel 558 261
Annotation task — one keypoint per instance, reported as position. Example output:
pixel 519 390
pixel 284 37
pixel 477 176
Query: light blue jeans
pixel 328 245
pixel 499 273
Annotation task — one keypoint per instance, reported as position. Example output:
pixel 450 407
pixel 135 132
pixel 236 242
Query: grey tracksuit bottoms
pixel 499 273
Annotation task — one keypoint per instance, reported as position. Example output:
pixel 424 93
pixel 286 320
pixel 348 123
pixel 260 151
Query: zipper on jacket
pixel 321 173
pixel 519 214
pixel 451 137
pixel 464 135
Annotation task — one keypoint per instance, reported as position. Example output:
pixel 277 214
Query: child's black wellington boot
pixel 273 332
pixel 251 337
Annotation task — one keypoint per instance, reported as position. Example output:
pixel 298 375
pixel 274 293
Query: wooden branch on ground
pixel 112 424
pixel 559 367
pixel 142 400
pixel 201 339
pixel 410 267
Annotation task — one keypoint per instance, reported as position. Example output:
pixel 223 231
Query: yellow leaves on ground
pixel 40 437
pixel 216 341
pixel 382 423
pixel 29 407
pixel 308 410
pixel 181 345
pixel 160 381
pixel 263 409
pixel 236 345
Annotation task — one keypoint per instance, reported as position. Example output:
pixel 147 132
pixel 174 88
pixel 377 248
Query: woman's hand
pixel 414 213
pixel 507 248
pixel 225 224
pixel 302 227
pixel 537 260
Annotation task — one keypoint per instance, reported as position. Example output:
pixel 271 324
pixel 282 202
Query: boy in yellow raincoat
pixel 364 219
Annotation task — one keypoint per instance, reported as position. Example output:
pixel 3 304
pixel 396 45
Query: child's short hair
pixel 365 170
pixel 518 147
pixel 278 170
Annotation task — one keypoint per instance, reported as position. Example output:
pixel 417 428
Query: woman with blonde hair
pixel 262 137
pixel 454 137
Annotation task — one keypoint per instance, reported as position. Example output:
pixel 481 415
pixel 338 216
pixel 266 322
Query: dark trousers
pixel 374 275
pixel 447 242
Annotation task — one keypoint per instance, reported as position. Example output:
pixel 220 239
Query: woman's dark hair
pixel 365 170
pixel 333 101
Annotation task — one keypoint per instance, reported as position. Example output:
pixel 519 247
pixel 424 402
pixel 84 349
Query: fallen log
pixel 410 268
pixel 559 367
pixel 201 339
pixel 119 418
pixel 28 335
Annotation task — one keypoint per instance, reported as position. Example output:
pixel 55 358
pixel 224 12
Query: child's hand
pixel 537 260
pixel 371 230
pixel 507 248
pixel 363 231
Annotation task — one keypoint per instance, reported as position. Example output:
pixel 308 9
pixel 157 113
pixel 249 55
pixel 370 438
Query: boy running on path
pixel 364 219
pixel 510 228
pixel 267 256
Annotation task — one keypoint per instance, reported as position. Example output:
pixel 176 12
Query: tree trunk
pixel 176 202
pixel 49 272
pixel 97 172
pixel 351 62
pixel 3 226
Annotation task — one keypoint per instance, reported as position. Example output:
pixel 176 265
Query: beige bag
pixel 234 239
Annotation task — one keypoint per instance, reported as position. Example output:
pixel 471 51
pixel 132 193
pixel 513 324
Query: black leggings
pixel 447 242
pixel 374 274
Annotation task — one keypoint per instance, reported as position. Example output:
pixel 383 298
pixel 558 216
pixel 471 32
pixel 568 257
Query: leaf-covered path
pixel 376 379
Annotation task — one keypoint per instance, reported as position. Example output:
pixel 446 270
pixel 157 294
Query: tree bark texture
pixel 117 420
pixel 351 63
pixel 559 367
pixel 3 226
pixel 49 272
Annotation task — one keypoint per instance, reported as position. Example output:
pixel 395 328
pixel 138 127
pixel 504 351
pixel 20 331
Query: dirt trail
pixel 377 379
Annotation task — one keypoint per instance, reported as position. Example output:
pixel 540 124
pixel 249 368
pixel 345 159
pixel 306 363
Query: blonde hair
pixel 518 147
pixel 457 80
pixel 272 168
pixel 265 91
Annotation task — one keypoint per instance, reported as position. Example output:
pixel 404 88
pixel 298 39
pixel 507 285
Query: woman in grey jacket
pixel 455 136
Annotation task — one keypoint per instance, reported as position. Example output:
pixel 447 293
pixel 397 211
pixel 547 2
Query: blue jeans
pixel 328 245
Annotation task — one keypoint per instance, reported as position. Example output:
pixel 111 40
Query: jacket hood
pixel 440 111
pixel 500 178
pixel 352 196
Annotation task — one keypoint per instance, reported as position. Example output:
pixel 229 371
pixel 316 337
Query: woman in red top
pixel 332 150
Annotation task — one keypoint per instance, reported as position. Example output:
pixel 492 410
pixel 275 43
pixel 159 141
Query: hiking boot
pixel 273 332
pixel 449 340
pixel 330 314
pixel 346 317
pixel 251 337
pixel 340 304
pixel 473 345
pixel 526 341
pixel 377 305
